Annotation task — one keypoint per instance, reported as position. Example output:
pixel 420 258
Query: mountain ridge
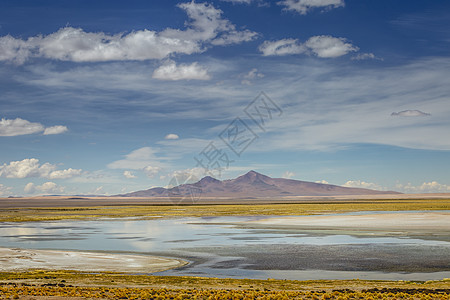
pixel 253 185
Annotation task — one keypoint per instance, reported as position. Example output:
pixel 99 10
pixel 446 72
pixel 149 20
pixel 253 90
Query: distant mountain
pixel 254 184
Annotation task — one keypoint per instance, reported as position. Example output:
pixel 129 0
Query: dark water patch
pixel 365 257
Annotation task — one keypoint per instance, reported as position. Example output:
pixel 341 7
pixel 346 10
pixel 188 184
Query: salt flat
pixel 433 223
pixel 396 220
pixel 21 259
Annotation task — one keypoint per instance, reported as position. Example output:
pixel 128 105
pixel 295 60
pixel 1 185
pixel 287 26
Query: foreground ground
pixel 76 285
pixel 24 259
pixel 36 211
pixel 73 285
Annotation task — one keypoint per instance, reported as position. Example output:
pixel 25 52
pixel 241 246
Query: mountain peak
pixel 252 176
pixel 253 172
pixel 208 179
pixel 254 184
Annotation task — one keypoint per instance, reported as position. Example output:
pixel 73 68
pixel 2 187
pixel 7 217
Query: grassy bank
pixel 47 214
pixel 69 284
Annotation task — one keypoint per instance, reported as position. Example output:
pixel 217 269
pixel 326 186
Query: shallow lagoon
pixel 224 247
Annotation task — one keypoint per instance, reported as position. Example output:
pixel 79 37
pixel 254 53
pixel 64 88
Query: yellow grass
pixel 69 284
pixel 148 211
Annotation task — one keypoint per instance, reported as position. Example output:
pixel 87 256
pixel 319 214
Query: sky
pixel 107 97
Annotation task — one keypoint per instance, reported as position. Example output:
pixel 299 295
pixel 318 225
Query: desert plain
pixel 31 273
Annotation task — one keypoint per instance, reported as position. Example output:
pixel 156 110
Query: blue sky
pixel 108 97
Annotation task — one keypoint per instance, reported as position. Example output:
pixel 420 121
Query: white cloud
pixel 171 136
pixel 64 174
pixel 137 160
pixel 14 50
pixel 5 190
pixel 260 3
pixel 251 75
pixel 142 159
pixel 205 27
pixel 45 188
pixel 55 130
pixel 304 6
pixel 98 191
pixel 327 46
pixel 19 126
pixel 30 167
pixel 239 1
pixel 426 187
pixel 365 56
pixel 151 171
pixel 410 113
pixel 323 46
pixel 170 71
pixel 322 110
pixel 327 112
pixel 288 175
pixel 185 176
pixel 234 37
pixel 362 184
pixel 322 181
pixel 128 174
pixel 29 188
pixel 282 47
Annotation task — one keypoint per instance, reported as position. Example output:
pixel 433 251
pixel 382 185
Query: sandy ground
pixel 21 259
pixel 64 201
pixel 436 222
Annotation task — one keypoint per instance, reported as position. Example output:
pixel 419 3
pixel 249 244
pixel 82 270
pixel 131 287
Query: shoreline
pixel 19 260
pixel 426 225
pixel 87 201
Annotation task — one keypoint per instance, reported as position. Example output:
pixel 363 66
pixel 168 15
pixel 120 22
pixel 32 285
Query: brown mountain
pixel 254 184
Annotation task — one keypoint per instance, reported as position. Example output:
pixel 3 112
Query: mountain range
pixel 253 185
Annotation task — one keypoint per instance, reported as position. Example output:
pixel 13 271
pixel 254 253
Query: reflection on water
pixel 220 250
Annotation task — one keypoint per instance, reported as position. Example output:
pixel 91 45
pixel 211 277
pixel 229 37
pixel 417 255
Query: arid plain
pixel 34 271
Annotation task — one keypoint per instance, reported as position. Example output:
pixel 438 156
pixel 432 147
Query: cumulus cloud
pixel 5 190
pixel 282 47
pixel 19 126
pixel 170 71
pixel 171 136
pixel 251 75
pixel 304 6
pixel 46 188
pixel 410 113
pixel 206 27
pixel 260 3
pixel 362 184
pixel 239 1
pixel 365 56
pixel 14 50
pixel 64 174
pixel 327 46
pixel 322 181
pixel 151 171
pixel 55 130
pixel 288 175
pixel 426 187
pixel 30 167
pixel 323 46
pixel 128 174
pixel 143 159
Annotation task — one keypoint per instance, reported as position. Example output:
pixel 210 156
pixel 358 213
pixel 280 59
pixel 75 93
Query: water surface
pixel 217 248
